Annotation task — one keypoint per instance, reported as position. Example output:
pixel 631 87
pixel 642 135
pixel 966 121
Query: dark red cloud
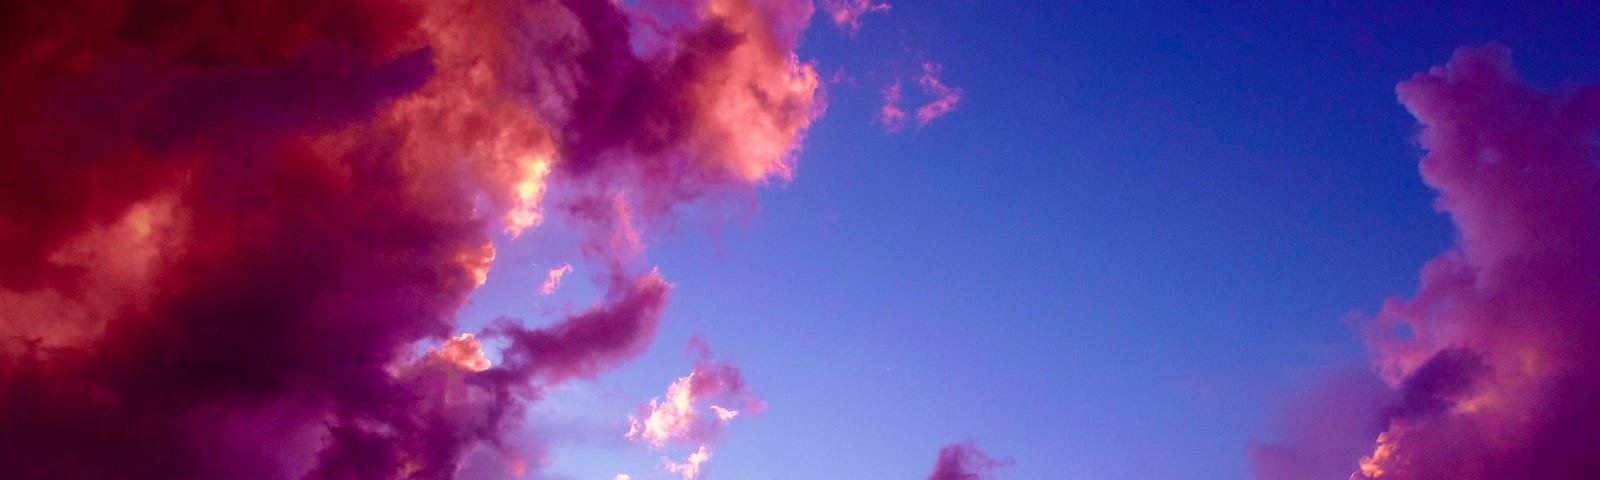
pixel 1493 360
pixel 229 226
pixel 963 461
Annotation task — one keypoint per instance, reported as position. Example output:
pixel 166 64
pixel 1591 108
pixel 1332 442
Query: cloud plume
pixel 846 14
pixel 1492 362
pixel 963 461
pixel 231 226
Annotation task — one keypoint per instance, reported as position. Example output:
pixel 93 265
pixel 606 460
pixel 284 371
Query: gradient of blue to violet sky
pixel 1127 251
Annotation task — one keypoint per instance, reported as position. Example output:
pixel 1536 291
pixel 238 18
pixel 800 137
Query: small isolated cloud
pixel 963 461
pixel 942 98
pixel 694 411
pixel 696 407
pixel 939 99
pixel 890 114
pixel 846 14
pixel 552 279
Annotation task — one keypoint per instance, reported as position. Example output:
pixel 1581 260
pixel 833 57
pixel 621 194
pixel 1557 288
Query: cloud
pixel 237 262
pixel 938 98
pixel 690 469
pixel 942 99
pixel 464 352
pixel 695 407
pixel 694 411
pixel 963 461
pixel 1491 360
pixel 890 114
pixel 846 14
pixel 552 279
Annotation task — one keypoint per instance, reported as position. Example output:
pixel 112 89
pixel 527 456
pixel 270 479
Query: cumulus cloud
pixel 1490 363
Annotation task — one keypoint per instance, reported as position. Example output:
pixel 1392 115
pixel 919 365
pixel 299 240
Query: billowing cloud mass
pixel 231 228
pixel 846 14
pixel 963 461
pixel 1492 361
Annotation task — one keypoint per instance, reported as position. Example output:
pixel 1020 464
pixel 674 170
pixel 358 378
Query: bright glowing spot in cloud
pixel 529 189
pixel 462 351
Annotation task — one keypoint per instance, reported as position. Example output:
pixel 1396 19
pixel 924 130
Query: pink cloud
pixel 330 177
pixel 552 279
pixel 939 99
pixel 846 14
pixel 890 114
pixel 692 466
pixel 942 98
pixel 696 407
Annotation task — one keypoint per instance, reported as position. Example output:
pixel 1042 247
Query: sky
pixel 753 239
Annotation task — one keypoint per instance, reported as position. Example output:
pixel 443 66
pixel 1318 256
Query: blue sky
pixel 1132 244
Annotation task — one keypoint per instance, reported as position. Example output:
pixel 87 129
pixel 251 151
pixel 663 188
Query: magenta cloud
pixel 1490 366
pixel 964 461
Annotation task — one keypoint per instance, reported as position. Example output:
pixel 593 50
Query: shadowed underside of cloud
pixel 1493 362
